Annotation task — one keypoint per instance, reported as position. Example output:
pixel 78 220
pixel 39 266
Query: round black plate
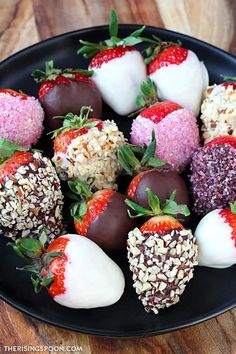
pixel 211 291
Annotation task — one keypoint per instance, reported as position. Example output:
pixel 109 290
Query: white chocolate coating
pixel 215 244
pixel 184 83
pixel 119 79
pixel 92 279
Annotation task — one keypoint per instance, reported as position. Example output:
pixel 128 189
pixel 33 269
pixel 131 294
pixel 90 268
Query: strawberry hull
pixel 118 79
pixel 109 230
pixel 70 97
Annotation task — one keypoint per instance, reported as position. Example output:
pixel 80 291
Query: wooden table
pixel 24 22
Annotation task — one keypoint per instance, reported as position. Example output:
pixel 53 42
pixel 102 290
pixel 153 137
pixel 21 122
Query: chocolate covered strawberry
pixel 213 175
pixel 216 238
pixel 66 90
pixel 161 253
pixel 179 75
pixel 21 117
pixel 175 127
pixel 86 148
pixel 101 217
pixel 30 192
pixel 150 172
pixel 75 271
pixel 118 67
pixel 218 111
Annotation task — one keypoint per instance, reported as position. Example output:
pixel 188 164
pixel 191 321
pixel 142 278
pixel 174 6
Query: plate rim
pixel 116 334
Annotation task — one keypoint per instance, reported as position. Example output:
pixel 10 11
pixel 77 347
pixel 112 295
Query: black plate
pixel 211 291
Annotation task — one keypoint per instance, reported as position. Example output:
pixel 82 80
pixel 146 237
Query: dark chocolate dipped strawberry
pixel 161 253
pixel 31 196
pixel 66 90
pixel 118 67
pixel 102 216
pixel 151 172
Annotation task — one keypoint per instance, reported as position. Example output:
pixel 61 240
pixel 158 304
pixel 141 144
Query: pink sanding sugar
pixel 21 120
pixel 177 136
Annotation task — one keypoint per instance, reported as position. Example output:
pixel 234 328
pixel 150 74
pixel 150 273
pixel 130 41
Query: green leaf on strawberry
pixel 132 165
pixel 7 149
pixel 89 49
pixel 52 73
pixel 169 207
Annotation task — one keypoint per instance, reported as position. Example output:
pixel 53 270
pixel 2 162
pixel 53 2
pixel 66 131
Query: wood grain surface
pixel 24 22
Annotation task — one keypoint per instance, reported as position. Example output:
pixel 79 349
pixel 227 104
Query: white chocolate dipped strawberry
pixel 216 238
pixel 75 271
pixel 118 68
pixel 178 74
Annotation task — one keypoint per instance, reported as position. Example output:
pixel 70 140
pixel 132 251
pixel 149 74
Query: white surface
pixel 184 83
pixel 92 279
pixel 216 247
pixel 119 79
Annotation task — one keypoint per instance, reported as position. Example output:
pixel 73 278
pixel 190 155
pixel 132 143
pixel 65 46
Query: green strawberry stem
pixel 90 49
pixel 79 209
pixel 157 47
pixel 132 165
pixel 169 207
pixel 149 96
pixel 229 78
pixel 233 207
pixel 73 121
pixel 32 251
pixel 7 149
pixel 52 73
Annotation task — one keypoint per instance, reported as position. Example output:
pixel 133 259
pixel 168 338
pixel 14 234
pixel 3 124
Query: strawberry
pixel 27 202
pixel 216 238
pixel 102 216
pixel 66 90
pixel 222 140
pixel 171 55
pixel 74 270
pixel 230 81
pixel 150 172
pixel 14 93
pixel 65 137
pixel 161 253
pixel 86 148
pixel 175 127
pixel 179 75
pixel 118 67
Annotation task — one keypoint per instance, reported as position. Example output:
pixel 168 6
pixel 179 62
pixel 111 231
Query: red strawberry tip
pixel 231 140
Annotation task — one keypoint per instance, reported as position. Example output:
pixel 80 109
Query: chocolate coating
pixel 66 98
pixel 162 184
pixel 110 229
